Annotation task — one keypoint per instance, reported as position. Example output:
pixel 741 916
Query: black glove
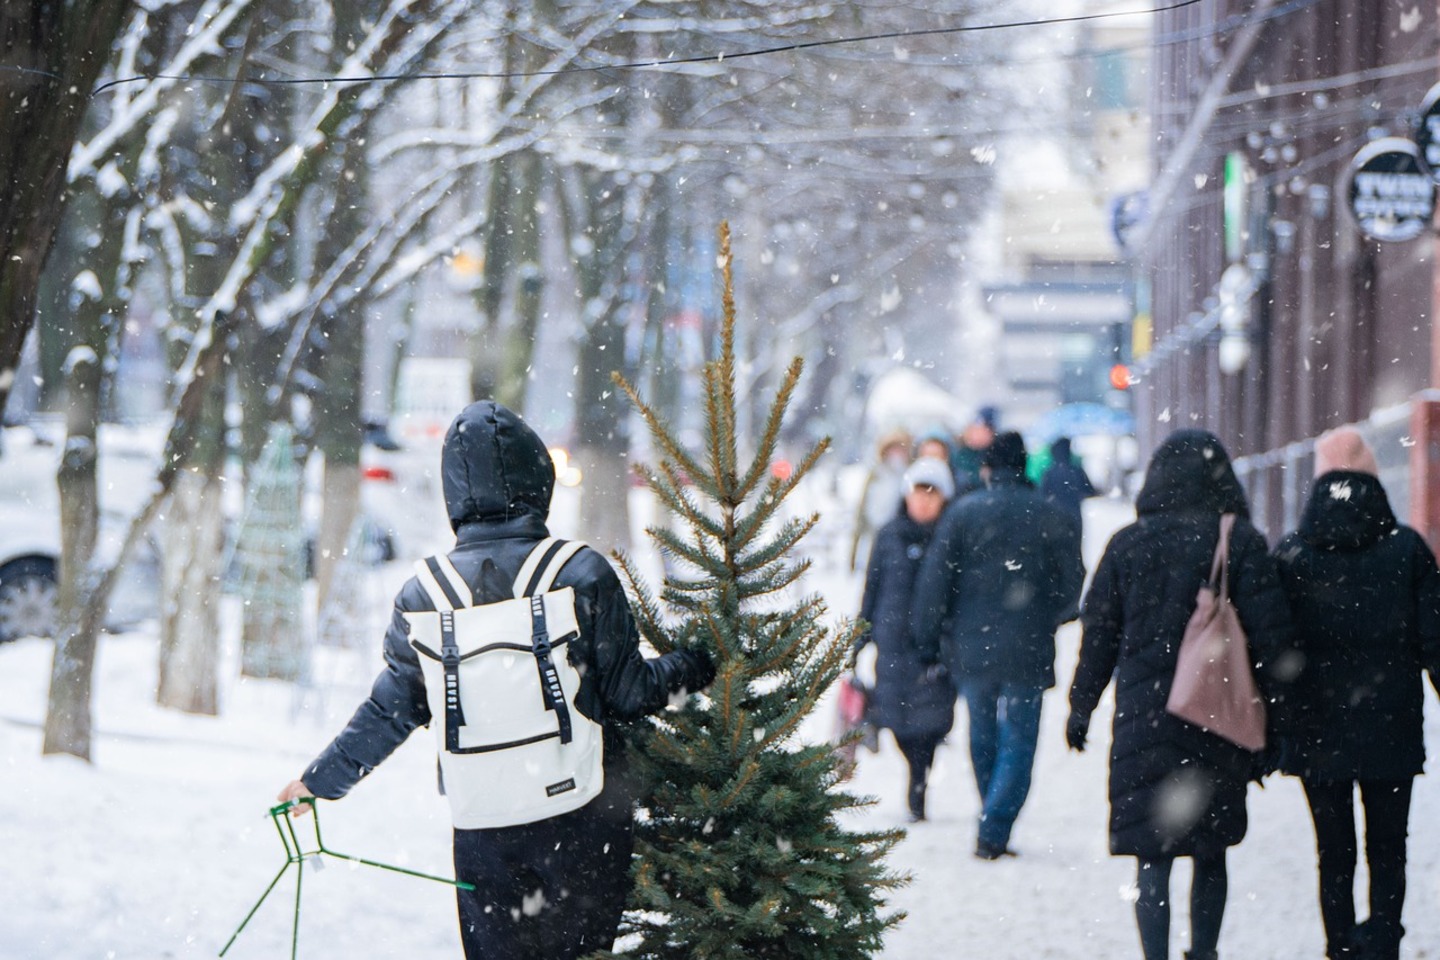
pixel 1075 730
pixel 699 670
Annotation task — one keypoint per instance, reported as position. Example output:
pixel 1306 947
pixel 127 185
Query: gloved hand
pixel 699 670
pixel 1075 730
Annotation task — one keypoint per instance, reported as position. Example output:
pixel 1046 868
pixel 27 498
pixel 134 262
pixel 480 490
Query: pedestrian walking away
pixel 881 496
pixel 1065 482
pixel 550 874
pixel 912 699
pixel 968 455
pixel 1365 594
pixel 1001 574
pixel 1177 790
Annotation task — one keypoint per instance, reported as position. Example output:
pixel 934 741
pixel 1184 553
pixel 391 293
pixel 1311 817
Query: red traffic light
pixel 1120 377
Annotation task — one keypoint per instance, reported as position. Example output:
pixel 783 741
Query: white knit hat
pixel 930 472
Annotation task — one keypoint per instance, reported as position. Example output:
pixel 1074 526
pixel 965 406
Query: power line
pixel 715 58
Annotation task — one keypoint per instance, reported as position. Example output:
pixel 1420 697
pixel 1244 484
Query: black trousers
pixel 1387 815
pixel 551 890
pixel 1208 889
pixel 919 753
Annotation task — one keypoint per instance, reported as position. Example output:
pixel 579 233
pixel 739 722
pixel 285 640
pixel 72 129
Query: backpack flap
pixel 497 699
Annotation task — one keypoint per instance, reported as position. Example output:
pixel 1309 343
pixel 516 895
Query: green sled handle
pixel 296 856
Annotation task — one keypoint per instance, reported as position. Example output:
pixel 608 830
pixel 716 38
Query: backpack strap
pixel 450 662
pixel 550 689
pixel 555 558
pixel 449 592
pixel 543 565
pixel 536 576
pixel 446 588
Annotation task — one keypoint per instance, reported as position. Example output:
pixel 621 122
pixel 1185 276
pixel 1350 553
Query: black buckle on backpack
pixel 550 688
pixel 450 660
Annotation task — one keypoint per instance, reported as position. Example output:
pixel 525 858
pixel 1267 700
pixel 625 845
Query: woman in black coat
pixel 1365 594
pixel 1175 789
pixel 915 702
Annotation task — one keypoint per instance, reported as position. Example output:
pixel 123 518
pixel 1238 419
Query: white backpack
pixel 513 746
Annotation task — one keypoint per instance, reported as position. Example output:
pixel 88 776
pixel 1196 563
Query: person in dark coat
pixel 498 478
pixel 1175 789
pixel 1365 594
pixel 968 454
pixel 1002 573
pixel 911 699
pixel 1065 483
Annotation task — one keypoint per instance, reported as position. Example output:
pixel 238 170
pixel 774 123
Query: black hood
pixel 1347 511
pixel 494 467
pixel 1009 477
pixel 1191 472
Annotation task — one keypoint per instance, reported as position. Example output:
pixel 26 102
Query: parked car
pixel 399 492
pixel 30 529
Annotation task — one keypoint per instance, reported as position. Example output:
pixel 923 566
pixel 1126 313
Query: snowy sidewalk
pixel 159 848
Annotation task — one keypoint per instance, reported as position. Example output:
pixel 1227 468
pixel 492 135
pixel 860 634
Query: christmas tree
pixel 740 850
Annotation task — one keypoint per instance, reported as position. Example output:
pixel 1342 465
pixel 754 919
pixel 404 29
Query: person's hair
pixel 1006 451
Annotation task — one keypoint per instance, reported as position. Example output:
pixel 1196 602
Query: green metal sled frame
pixel 296 856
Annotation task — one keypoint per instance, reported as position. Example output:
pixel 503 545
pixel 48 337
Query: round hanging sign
pixel 1427 132
pixel 1390 194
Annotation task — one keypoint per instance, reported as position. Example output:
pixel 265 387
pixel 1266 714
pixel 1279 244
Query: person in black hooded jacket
pixel 1365 593
pixel 1001 574
pixel 1175 789
pixel 498 479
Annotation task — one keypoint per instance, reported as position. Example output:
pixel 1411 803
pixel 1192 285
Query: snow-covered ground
pixel 160 847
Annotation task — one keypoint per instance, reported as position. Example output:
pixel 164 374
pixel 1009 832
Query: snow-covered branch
pixel 212 20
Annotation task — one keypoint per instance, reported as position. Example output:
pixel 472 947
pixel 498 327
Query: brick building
pixel 1271 317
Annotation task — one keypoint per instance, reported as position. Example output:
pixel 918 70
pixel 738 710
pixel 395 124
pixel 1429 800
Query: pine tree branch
pixel 776 578
pixel 770 435
pixel 784 541
pixel 722 390
pixel 649 619
pixel 673 450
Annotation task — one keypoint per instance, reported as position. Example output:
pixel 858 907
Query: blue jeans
pixel 1004 727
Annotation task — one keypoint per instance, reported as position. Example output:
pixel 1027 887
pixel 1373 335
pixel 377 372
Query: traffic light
pixel 1119 368
pixel 1119 377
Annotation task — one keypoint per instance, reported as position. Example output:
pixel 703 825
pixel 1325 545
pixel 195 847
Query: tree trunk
pixel 341 492
pixel 68 721
pixel 339 430
pixel 48 65
pixel 530 282
pixel 190 585
pixel 90 345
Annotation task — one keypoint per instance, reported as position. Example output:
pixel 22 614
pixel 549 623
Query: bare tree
pixel 52 55
pixel 253 217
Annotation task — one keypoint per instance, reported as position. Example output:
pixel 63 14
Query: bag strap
pixel 443 583
pixel 536 576
pixel 543 565
pixel 550 689
pixel 450 661
pixel 1220 565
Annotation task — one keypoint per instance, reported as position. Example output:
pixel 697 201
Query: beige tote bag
pixel 1214 684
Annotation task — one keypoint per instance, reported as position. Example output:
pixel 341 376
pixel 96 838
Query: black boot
pixel 917 802
pixel 1201 955
pixel 1376 941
